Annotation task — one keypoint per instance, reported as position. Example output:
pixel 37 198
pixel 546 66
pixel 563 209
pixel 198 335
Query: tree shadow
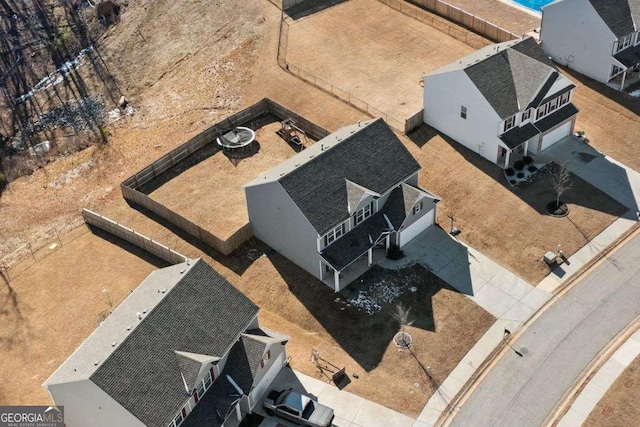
pixel 365 337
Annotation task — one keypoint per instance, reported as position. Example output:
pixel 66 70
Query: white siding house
pixel 174 353
pixel 503 102
pixel 598 38
pixel 328 207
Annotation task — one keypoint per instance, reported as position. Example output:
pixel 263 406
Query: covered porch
pixel 515 144
pixel 629 62
pixel 339 279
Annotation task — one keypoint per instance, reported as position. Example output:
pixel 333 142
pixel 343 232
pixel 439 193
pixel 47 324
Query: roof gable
pixel 510 78
pixel 621 16
pixel 191 364
pixel 363 157
pixel 203 315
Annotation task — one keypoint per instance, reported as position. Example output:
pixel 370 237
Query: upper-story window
pixel 564 99
pixel 525 115
pixel 624 42
pixel 552 105
pixel 363 214
pixel 334 234
pixel 417 207
pixel 463 112
pixel 509 123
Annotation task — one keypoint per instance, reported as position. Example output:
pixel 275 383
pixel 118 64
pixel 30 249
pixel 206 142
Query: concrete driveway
pixel 606 174
pixel 350 410
pixel 488 284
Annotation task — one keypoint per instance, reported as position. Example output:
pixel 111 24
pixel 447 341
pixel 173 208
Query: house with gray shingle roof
pixel 598 38
pixel 503 101
pixel 329 207
pixel 183 349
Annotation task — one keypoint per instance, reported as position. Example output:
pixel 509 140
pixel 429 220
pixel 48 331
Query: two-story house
pixel 183 349
pixel 329 206
pixel 504 101
pixel 598 38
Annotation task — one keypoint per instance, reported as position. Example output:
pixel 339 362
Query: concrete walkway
pixel 600 383
pixel 350 410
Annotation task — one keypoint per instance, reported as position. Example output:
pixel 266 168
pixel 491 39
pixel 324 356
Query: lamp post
pixel 506 334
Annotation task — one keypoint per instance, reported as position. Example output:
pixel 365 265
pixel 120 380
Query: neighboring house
pixel 185 348
pixel 329 206
pixel 504 101
pixel 598 38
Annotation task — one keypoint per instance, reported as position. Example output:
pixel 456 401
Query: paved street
pixel 558 346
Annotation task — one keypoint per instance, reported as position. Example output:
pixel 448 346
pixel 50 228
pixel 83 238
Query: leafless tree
pixel 401 314
pixel 561 181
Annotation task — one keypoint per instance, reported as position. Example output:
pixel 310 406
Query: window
pixel 509 123
pixel 334 234
pixel 417 207
pixel 615 70
pixel 195 397
pixel 553 104
pixel 526 115
pixel 624 42
pixel 542 110
pixel 200 389
pixel 564 99
pixel 363 214
pixel 178 419
pixel 213 374
pixel 463 112
pixel 207 380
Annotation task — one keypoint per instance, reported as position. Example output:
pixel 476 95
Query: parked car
pixel 298 408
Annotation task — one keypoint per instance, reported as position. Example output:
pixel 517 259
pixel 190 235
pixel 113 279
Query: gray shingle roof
pixel 557 117
pixel 621 16
pixel 372 157
pixel 202 314
pixel 629 57
pixel 518 135
pixel 510 78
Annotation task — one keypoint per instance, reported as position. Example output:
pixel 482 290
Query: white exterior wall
pixel 444 94
pixel 265 376
pixel 278 222
pixel 86 404
pixel 573 34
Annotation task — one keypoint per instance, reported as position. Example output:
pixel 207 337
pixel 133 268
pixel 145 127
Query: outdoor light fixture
pixel 506 334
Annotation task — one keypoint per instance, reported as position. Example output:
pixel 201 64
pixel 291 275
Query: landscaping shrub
pixel 532 168
pixel 394 252
pixel 513 182
pixel 518 165
pixel 3 181
pixel 520 175
pixel 509 171
pixel 527 160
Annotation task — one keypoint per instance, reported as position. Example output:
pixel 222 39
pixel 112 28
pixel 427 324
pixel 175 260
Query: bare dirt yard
pixel 373 52
pixel 210 192
pixel 47 310
pixel 508 224
pixel 619 406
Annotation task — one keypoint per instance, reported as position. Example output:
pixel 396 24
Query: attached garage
pixel 407 234
pixel 555 135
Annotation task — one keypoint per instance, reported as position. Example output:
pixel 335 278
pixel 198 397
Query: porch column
pixel 238 411
pixel 336 280
pixel 388 245
pixel 624 75
pixel 526 147
pixel 370 256
pixel 506 159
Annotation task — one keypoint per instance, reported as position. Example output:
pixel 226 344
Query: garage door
pixel 265 383
pixel 555 135
pixel 416 228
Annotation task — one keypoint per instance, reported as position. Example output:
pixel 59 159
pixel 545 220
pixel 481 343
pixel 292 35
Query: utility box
pixel 549 258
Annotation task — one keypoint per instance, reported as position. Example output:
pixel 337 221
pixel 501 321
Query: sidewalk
pixel 604 173
pixel 350 410
pixel 600 383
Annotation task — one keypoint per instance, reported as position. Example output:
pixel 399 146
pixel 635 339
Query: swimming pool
pixel 532 4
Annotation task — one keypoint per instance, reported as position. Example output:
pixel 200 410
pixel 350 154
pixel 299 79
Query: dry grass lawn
pixel 210 192
pixel 619 406
pixel 508 224
pixel 610 119
pixel 50 308
pixel 373 52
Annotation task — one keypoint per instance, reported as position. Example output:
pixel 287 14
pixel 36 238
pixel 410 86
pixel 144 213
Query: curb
pixel 483 370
